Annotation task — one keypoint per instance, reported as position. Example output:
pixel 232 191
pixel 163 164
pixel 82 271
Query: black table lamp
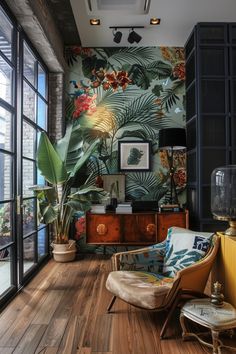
pixel 172 139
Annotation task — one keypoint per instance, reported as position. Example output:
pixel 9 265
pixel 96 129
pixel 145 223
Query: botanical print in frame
pixel 118 180
pixel 134 155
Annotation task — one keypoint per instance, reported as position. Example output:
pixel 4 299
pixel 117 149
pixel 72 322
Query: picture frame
pixel 134 155
pixel 118 180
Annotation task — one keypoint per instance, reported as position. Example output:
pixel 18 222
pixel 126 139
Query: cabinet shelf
pixel 187 57
pixel 210 106
pixel 191 84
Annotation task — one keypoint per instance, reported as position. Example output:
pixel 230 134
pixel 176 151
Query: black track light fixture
pixel 132 37
pixel 117 36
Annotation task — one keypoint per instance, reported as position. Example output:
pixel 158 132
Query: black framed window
pixel 24 242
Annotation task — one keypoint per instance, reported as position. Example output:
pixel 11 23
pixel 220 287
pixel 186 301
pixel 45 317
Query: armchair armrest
pixel 195 277
pixel 149 259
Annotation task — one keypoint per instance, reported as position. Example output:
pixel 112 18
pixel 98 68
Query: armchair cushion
pixel 140 289
pixel 148 259
pixel 183 248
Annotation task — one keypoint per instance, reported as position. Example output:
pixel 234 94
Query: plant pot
pixel 64 252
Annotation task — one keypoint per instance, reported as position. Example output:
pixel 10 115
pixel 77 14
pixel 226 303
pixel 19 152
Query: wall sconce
pixel 132 37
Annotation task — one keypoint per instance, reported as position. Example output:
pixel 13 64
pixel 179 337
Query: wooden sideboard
pixel 132 229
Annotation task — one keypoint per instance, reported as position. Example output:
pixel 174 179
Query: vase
pixel 65 252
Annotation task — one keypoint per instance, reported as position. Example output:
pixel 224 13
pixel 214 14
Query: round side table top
pixel 203 312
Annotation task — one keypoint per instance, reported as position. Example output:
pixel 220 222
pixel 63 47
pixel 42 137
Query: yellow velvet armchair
pixel 159 277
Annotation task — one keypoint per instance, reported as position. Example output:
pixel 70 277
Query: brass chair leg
pixel 111 303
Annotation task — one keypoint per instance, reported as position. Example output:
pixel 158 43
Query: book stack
pixel 124 208
pixel 170 207
pixel 97 208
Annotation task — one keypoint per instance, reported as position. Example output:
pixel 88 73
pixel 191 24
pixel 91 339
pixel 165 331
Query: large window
pixel 23 115
pixel 34 119
pixel 7 153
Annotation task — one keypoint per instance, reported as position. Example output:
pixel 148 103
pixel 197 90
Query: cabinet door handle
pixel 101 229
pixel 151 229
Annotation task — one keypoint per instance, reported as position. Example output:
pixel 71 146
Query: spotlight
pixel 134 37
pixel 94 22
pixel 155 21
pixel 117 37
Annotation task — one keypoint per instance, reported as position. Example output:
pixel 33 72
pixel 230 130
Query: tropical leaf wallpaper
pixel 123 94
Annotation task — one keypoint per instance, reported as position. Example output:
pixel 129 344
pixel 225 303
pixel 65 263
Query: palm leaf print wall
pixel 119 94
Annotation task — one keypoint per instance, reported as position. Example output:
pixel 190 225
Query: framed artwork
pixel 134 155
pixel 115 185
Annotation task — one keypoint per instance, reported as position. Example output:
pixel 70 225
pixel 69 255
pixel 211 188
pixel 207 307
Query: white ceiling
pixel 177 20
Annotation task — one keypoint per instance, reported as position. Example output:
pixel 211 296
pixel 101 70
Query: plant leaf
pixel 79 205
pixel 84 158
pixel 49 162
pixel 49 214
pixel 62 145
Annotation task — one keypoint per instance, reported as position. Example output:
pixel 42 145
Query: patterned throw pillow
pixel 183 248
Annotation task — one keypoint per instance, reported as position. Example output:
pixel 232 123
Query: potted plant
pixel 56 202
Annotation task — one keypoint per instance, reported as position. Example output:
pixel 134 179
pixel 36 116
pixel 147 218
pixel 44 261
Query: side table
pixel 217 319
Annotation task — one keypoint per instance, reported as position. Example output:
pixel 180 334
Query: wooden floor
pixel 63 310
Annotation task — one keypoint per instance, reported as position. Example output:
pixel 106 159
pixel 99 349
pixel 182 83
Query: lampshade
pixel 223 196
pixel 172 138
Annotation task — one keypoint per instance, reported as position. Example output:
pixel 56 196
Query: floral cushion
pixel 140 289
pixel 183 248
pixel 149 260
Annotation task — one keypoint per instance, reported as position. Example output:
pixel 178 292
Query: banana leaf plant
pixel 57 204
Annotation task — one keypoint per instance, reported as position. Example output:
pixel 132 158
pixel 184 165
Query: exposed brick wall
pixel 56 105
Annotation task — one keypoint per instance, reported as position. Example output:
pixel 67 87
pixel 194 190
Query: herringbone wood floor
pixel 63 310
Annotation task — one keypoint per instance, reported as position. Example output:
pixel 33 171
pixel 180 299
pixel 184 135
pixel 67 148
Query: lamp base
pixel 231 231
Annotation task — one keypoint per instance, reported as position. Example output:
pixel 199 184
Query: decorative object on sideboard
pixel 223 196
pixel 171 139
pixel 114 184
pixel 114 195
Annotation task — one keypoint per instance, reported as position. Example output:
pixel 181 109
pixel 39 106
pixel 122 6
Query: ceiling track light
pixel 131 27
pixel 132 37
pixel 117 35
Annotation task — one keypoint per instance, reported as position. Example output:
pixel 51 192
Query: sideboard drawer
pixel 102 228
pixel 139 228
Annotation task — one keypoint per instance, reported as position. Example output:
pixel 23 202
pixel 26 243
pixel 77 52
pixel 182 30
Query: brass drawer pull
pixel 151 229
pixel 101 229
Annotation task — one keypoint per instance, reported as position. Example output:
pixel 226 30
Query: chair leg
pixel 111 303
pixel 181 294
pixel 168 318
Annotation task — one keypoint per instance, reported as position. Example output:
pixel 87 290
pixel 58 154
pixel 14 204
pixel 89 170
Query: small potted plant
pixel 56 202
